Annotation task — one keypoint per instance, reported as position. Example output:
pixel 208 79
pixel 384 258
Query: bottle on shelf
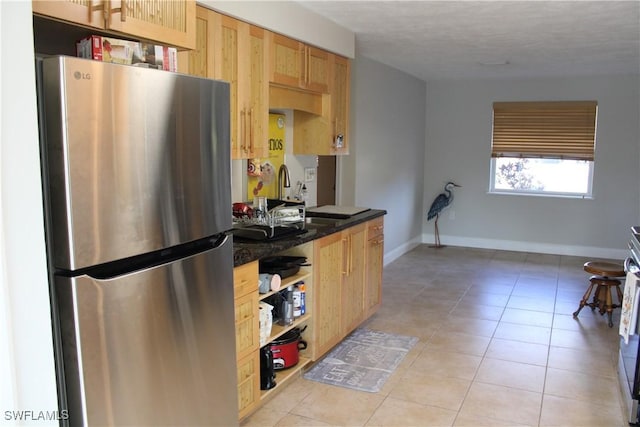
pixel 299 308
pixel 287 306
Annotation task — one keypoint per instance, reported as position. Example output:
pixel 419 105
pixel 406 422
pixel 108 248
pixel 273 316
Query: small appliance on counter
pixel 337 212
pixel 629 354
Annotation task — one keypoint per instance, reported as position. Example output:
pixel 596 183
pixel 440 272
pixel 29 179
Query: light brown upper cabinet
pixel 339 90
pixel 297 65
pixel 240 57
pixel 326 134
pixel 237 52
pixel 199 61
pixel 169 22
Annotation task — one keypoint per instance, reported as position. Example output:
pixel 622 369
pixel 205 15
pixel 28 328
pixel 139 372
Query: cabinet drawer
pixel 248 383
pixel 375 228
pixel 245 279
pixel 247 325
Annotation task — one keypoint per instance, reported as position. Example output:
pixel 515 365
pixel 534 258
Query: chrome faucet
pixel 283 175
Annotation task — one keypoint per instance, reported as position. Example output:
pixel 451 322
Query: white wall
pixel 458 132
pixel 26 349
pixel 385 167
pixel 291 19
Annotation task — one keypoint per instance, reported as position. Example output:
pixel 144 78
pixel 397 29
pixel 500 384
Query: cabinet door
pixel 248 384
pixel 353 289
pixel 227 68
pixel 171 22
pixel 339 91
pixel 328 264
pixel 374 265
pixel 85 12
pixel 287 60
pixel 245 286
pixel 247 325
pixel 200 60
pixel 257 102
pixel 316 70
pixel 240 59
pixel 297 65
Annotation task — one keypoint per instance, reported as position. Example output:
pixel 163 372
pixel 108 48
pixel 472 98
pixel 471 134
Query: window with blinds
pixel 543 147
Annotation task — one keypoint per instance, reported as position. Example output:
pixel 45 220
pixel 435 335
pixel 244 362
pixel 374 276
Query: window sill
pixel 552 195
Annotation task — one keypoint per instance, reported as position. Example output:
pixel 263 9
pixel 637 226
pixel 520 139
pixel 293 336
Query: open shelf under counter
pixel 285 375
pixel 279 330
pixel 286 282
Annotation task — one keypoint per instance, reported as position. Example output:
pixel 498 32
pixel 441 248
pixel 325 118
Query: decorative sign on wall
pixel 263 173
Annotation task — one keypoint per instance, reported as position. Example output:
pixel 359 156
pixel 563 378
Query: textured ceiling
pixel 452 39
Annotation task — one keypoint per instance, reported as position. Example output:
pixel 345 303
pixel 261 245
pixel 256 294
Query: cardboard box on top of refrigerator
pixel 157 56
pixel 107 49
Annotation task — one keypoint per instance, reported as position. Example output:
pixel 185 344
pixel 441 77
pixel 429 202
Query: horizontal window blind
pixel 558 130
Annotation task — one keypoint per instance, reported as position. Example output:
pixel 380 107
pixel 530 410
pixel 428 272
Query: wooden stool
pixel 603 279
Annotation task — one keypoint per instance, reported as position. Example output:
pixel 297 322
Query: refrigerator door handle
pixel 222 239
pixel 117 269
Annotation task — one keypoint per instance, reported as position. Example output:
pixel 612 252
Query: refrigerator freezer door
pixel 153 347
pixel 138 159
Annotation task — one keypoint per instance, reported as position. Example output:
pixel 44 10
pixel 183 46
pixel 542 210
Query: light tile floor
pixel 498 347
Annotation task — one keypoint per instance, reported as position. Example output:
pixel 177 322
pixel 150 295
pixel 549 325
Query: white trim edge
pixel 521 246
pixel 396 253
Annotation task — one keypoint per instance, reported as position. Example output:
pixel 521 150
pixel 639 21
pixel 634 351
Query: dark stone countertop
pixel 245 251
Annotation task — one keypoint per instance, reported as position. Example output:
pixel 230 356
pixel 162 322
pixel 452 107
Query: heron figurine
pixel 441 201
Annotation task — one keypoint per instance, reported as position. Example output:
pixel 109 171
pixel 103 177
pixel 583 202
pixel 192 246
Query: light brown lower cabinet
pixel 328 260
pixel 247 307
pixel 348 283
pixel 245 285
pixel 343 289
pixel 353 278
pixel 374 264
pixel 248 384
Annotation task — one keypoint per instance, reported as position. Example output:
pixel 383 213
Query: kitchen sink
pixel 263 232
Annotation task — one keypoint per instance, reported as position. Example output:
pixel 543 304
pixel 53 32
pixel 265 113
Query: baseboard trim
pixel 396 253
pixel 543 248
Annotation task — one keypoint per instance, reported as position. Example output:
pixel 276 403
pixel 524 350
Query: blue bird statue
pixel 441 201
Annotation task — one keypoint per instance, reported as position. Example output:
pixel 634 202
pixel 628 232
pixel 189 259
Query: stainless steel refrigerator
pixel 136 170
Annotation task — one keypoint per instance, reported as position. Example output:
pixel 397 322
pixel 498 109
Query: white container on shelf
pixel 266 322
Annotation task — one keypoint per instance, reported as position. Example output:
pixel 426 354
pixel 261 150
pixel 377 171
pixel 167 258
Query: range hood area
pixel 284 98
pixel 310 116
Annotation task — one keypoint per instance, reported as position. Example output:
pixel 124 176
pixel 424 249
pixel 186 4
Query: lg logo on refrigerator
pixel 82 76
